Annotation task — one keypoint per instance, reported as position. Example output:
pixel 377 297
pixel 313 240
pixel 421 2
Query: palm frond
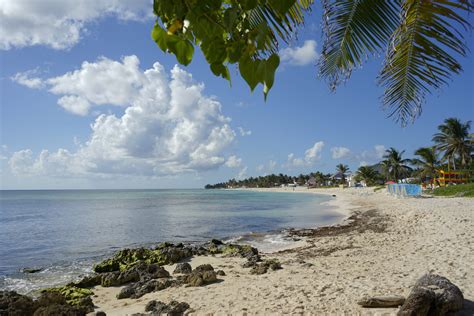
pixel 420 58
pixel 354 29
pixel 282 26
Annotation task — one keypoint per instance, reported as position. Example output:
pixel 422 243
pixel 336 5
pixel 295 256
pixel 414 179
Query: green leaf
pixel 266 70
pixel 282 6
pixel 182 49
pixel 160 37
pixel 220 70
pixel 230 16
pixel 248 71
pixel 214 50
pixel 248 4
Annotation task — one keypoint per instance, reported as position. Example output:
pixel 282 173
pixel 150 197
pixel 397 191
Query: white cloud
pixel 169 127
pixel 300 56
pixel 60 24
pixel 244 132
pixel 311 156
pixel 233 162
pixel 340 152
pixel 26 79
pixel 379 151
pixel 99 83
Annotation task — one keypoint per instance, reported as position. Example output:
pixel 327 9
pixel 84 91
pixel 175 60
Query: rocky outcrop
pixel 183 268
pixel 73 296
pixel 432 295
pixel 263 267
pixel 201 275
pixel 138 289
pixel 165 253
pixel 174 308
pixel 49 303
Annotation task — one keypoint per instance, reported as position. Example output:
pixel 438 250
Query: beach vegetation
pixel 422 41
pixel 455 142
pixel 368 175
pixel 459 190
pixel 396 167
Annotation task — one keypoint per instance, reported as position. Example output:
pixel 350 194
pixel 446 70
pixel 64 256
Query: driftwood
pixel 382 301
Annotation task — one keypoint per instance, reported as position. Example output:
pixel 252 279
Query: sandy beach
pixel 383 248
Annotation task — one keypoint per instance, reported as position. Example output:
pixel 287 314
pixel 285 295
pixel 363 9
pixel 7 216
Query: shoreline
pixel 381 248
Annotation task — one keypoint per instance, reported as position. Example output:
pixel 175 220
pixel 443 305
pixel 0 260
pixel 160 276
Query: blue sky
pixel 107 124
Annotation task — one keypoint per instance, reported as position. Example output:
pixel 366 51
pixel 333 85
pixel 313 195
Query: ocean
pixel 63 232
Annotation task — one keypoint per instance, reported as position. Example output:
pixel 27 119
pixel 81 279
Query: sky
pixel 88 101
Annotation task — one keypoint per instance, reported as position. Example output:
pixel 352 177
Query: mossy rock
pixel 165 253
pixel 74 296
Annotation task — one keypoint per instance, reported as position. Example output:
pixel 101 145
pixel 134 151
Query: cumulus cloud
pixel 233 162
pixel 242 173
pixel 300 56
pixel 60 24
pixel 311 156
pixel 340 152
pixel 98 83
pixel 244 132
pixel 169 127
pixel 26 79
pixel 267 168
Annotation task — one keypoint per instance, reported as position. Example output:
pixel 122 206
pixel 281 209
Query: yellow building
pixel 452 177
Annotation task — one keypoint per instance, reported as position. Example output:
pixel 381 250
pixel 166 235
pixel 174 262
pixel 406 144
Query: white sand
pixel 422 235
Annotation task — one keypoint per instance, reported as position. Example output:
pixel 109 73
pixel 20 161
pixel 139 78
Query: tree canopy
pixel 422 41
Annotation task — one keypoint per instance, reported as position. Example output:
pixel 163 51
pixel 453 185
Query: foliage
pixel 428 162
pixel 246 33
pixel 271 180
pixel 455 141
pixel 465 190
pixel 368 175
pixel 422 40
pixel 396 166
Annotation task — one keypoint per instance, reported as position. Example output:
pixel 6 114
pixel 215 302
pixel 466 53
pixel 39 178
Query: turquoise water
pixel 64 232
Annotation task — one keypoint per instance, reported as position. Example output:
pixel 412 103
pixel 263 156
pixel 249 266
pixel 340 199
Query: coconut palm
pixel 454 140
pixel 427 162
pixel 342 169
pixel 397 167
pixel 367 174
pixel 422 40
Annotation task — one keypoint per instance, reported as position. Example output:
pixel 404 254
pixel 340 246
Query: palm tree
pixel 367 174
pixel 422 40
pixel 397 167
pixel 455 141
pixel 428 161
pixel 342 169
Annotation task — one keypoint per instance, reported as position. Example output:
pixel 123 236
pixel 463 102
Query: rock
pixel 49 303
pixel 183 268
pixel 12 303
pixel 31 270
pixel 204 267
pixel 88 281
pixel 59 310
pixel 165 253
pixel 74 296
pixel 263 267
pixel 139 272
pixel 259 269
pixel 141 288
pixel 100 313
pixel 220 272
pixel 433 295
pixel 382 301
pixel 174 308
pixel 202 275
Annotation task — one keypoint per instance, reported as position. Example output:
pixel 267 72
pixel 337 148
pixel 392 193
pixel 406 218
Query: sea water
pixel 63 232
